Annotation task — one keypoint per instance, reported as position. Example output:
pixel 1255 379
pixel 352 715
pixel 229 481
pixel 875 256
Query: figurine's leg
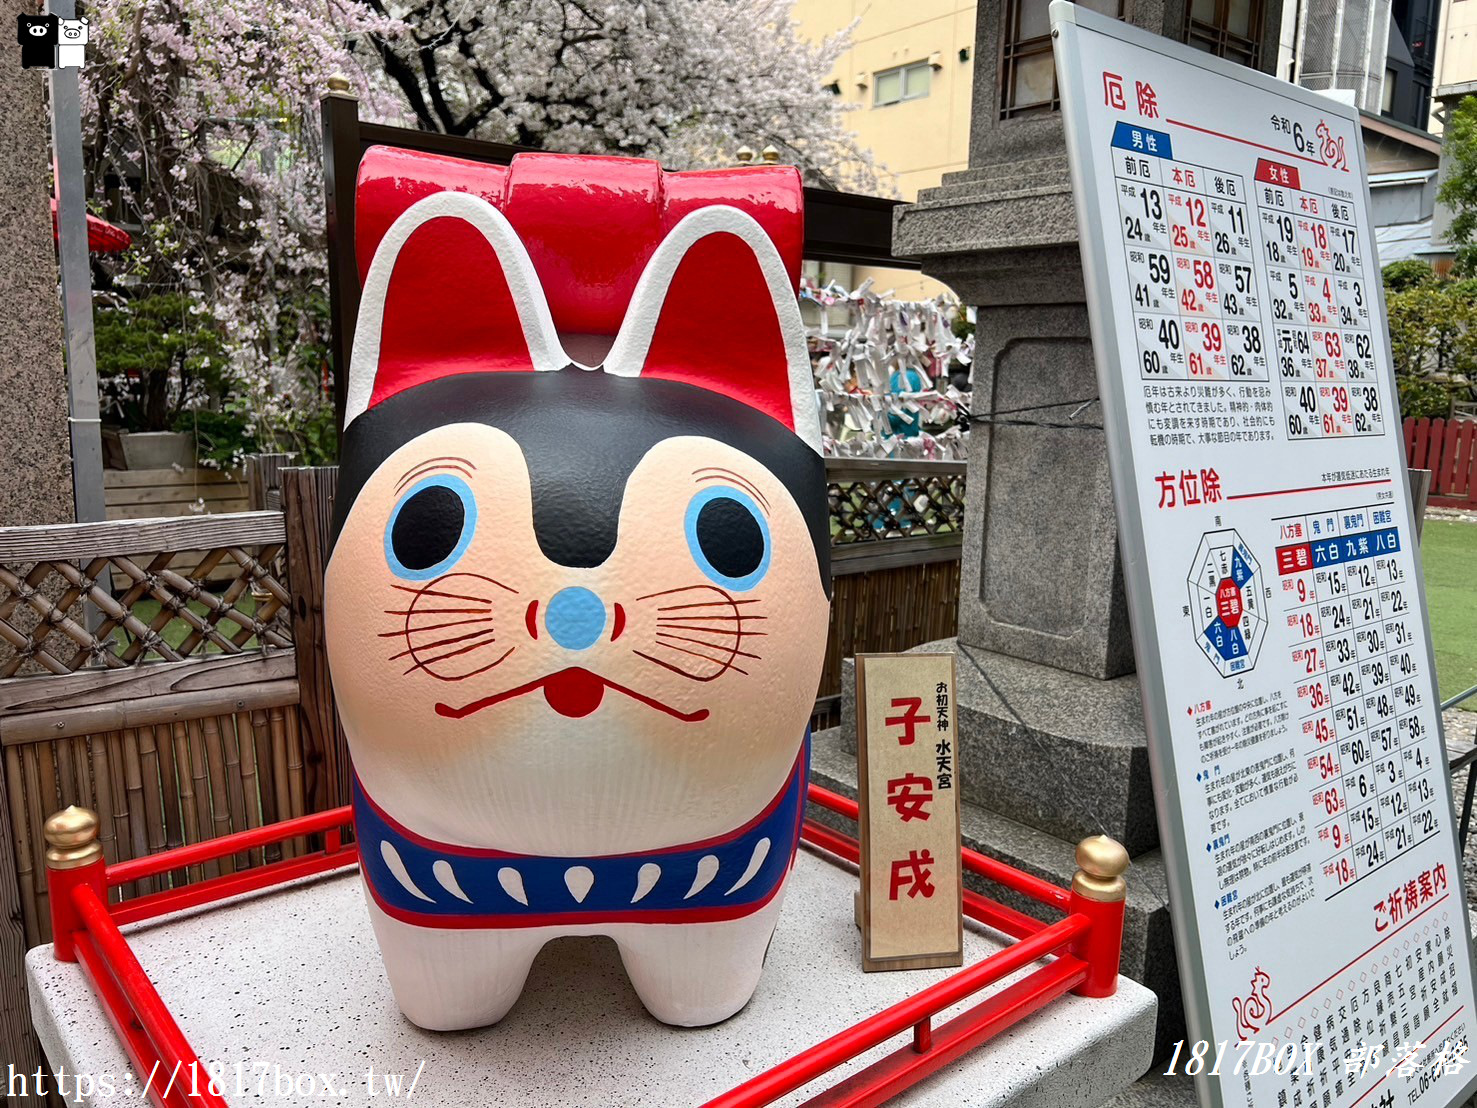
pixel 447 979
pixel 695 974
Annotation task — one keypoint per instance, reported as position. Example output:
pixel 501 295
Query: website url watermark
pixel 264 1079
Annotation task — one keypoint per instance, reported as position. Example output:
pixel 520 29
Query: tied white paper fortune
pixel 884 384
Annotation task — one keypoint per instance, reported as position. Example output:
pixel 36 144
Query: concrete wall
pixel 1456 55
pixel 35 448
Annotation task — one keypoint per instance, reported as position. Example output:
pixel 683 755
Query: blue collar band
pixel 432 884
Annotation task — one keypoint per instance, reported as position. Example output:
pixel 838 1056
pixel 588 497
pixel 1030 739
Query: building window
pixel 1387 94
pixel 904 82
pixel 1229 29
pixel 1421 96
pixel 1027 73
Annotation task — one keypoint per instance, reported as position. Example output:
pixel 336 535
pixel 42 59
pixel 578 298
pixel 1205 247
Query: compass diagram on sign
pixel 1226 602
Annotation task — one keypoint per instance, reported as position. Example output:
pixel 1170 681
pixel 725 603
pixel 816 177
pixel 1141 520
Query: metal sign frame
pixel 1068 23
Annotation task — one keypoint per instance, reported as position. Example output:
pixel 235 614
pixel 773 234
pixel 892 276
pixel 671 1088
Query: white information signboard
pixel 1273 575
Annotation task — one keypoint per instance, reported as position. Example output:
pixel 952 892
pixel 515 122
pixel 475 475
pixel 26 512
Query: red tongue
pixel 574 692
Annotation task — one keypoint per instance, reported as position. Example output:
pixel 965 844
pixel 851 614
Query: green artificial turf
pixel 177 630
pixel 1449 551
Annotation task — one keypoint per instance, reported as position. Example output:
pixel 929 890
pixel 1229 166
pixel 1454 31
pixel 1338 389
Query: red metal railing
pixel 334 855
pixel 85 930
pixel 1085 943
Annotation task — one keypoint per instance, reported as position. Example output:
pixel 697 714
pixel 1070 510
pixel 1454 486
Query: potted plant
pixel 157 355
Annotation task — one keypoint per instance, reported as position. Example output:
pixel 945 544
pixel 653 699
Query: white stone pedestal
pixel 288 983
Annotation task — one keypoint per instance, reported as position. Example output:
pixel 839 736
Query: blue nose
pixel 575 618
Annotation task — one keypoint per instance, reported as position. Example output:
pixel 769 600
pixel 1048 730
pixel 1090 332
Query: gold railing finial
pixel 770 154
pixel 71 838
pixel 338 83
pixel 1101 863
pixel 745 155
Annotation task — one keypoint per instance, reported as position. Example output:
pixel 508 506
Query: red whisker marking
pixel 725 662
pixel 727 632
pixel 682 619
pixel 434 627
pixel 470 673
pixel 446 642
pixel 688 588
pixel 733 651
pixel 428 591
pixel 456 653
pixel 679 670
pixel 499 584
pixel 620 623
pixel 480 669
pixel 725 666
pixel 435 611
pixel 706 604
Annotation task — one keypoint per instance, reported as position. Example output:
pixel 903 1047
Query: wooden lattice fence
pixel 226 598
pixel 897 529
pixel 148 673
pixel 875 500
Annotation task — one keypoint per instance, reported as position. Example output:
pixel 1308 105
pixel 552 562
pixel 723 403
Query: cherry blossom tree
pixel 201 125
pixel 685 81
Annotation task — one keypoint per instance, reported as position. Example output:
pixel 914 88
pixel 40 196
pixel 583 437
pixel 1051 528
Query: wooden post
pixel 307 501
pixel 341 153
pixel 264 481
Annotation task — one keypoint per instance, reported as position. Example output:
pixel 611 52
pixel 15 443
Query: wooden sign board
pixel 908 789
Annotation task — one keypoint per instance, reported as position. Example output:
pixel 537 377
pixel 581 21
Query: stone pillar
pixel 1051 732
pixel 35 448
pixel 35 463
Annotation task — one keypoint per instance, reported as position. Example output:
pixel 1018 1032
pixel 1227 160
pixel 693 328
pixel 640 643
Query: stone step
pixel 1058 751
pixel 1148 946
pixel 1039 173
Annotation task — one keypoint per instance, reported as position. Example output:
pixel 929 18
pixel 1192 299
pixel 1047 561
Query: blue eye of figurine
pixel 430 528
pixel 728 537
